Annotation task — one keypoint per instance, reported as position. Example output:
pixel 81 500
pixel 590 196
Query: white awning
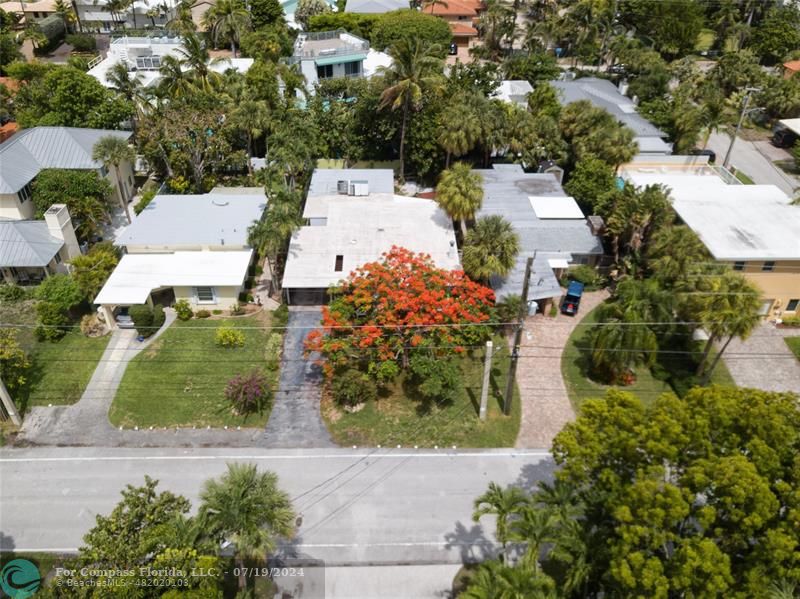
pixel 137 275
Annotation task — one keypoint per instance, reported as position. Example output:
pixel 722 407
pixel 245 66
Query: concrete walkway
pixel 764 361
pixel 546 407
pixel 295 420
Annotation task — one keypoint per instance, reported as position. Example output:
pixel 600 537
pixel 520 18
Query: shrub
pixel 92 326
pixel 144 200
pixel 245 297
pixel 236 309
pixel 587 275
pixel 12 293
pixel 216 312
pixel 53 29
pixel 183 310
pixel 384 372
pixel 229 337
pixel 353 387
pixel 158 317
pixel 142 317
pixel 435 378
pixel 82 42
pixel 202 314
pixel 248 392
pixel 280 316
pixel 791 321
pixel 60 290
pixel 508 309
pixel 51 321
pixel 272 350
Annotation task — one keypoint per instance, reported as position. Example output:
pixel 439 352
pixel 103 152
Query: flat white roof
pixel 793 124
pixel 735 222
pixel 360 229
pixel 137 275
pixel 562 207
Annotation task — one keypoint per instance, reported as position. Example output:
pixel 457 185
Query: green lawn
pixel 744 178
pixel 180 379
pixel 672 372
pixel 60 370
pixel 794 345
pixel 399 419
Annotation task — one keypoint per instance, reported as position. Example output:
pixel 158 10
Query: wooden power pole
pixel 523 312
pixel 8 404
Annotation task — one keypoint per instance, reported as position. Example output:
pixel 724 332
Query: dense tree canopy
pixel 411 25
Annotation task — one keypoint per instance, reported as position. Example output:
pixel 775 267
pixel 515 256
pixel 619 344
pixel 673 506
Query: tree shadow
pixel 472 543
pixel 532 475
pixel 7 544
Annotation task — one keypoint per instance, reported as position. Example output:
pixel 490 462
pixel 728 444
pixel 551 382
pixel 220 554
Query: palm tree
pixel 726 305
pixel 228 18
pixel 253 119
pixel 672 252
pixel 193 55
pixel 183 22
pixel 173 81
pixel 152 13
pixel 112 152
pixel 495 580
pixel 416 68
pixel 66 12
pixel 248 508
pixel 490 248
pixel 535 527
pixel 502 503
pixel 271 234
pixel 460 193
pixel 129 86
pixel 459 130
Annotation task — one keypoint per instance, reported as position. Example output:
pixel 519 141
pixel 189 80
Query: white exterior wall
pixel 225 297
pixel 11 208
pixel 126 172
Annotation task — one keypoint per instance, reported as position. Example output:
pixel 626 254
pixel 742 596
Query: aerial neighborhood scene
pixel 414 299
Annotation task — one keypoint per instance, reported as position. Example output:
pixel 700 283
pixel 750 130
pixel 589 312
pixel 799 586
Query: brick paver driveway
pixel 545 404
pixel 764 361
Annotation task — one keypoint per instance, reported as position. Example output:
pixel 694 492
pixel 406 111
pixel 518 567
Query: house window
pixel 57 258
pixel 352 69
pixel 792 305
pixel 324 71
pixel 205 295
pixel 339 263
pixel 768 266
pixel 24 194
pixel 738 266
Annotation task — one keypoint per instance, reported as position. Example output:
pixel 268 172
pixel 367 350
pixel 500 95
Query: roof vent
pixel 220 202
pixel 342 187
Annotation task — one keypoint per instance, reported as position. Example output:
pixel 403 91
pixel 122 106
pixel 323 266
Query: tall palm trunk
pixel 463 223
pixel 122 197
pixel 706 352
pixel 447 160
pixel 406 108
pixel 717 358
pixel 233 47
pixel 250 154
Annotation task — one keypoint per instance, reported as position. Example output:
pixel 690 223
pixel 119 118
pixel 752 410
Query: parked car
pixel 571 301
pixel 784 138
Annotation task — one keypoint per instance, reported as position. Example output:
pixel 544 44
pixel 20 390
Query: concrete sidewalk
pixel 764 361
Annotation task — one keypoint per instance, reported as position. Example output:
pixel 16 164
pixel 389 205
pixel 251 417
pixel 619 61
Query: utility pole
pixel 523 311
pixel 8 404
pixel 745 104
pixel 487 374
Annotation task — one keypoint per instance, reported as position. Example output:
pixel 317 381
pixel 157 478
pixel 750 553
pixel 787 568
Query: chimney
pixel 596 224
pixel 59 225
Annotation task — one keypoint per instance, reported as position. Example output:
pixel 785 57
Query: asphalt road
pixel 358 507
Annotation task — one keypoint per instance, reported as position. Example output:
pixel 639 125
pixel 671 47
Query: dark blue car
pixel 571 301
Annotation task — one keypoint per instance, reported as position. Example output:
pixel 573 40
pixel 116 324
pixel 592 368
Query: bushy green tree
pixel 60 290
pixel 353 387
pixel 778 34
pixel 91 270
pixel 357 24
pixel 14 361
pixel 266 13
pixel 591 130
pixel 310 8
pixel 411 26
pixel 436 379
pixel 590 181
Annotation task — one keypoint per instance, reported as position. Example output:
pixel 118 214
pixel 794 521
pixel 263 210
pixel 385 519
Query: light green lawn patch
pixel 794 345
pixel 705 40
pixel 180 379
pixel 397 418
pixel 671 373
pixel 60 370
pixel 744 178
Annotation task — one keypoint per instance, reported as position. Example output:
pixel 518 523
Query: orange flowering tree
pixel 386 309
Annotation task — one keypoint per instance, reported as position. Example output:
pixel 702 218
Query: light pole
pixel 745 104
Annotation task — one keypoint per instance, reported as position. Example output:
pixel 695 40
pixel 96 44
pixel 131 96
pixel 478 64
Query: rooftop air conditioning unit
pixel 359 188
pixel 342 187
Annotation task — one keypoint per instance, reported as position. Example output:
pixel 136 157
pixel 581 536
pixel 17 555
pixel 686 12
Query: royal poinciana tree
pixel 385 309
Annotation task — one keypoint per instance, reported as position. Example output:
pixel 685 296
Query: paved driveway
pixel 545 404
pixel 295 420
pixel 764 361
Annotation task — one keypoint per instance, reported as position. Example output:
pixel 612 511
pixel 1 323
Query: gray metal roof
pixel 374 6
pixel 31 150
pixel 604 94
pixel 217 218
pixel 324 180
pixel 27 243
pixel 506 189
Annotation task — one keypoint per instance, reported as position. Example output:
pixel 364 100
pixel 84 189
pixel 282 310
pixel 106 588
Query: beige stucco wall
pixel 11 208
pixel 780 285
pixel 126 171
pixel 226 297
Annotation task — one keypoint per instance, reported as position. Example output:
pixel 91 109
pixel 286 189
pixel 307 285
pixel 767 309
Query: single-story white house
pixel 191 247
pixel 353 218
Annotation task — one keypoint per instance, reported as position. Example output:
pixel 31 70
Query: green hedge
pixel 53 28
pixel 82 42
